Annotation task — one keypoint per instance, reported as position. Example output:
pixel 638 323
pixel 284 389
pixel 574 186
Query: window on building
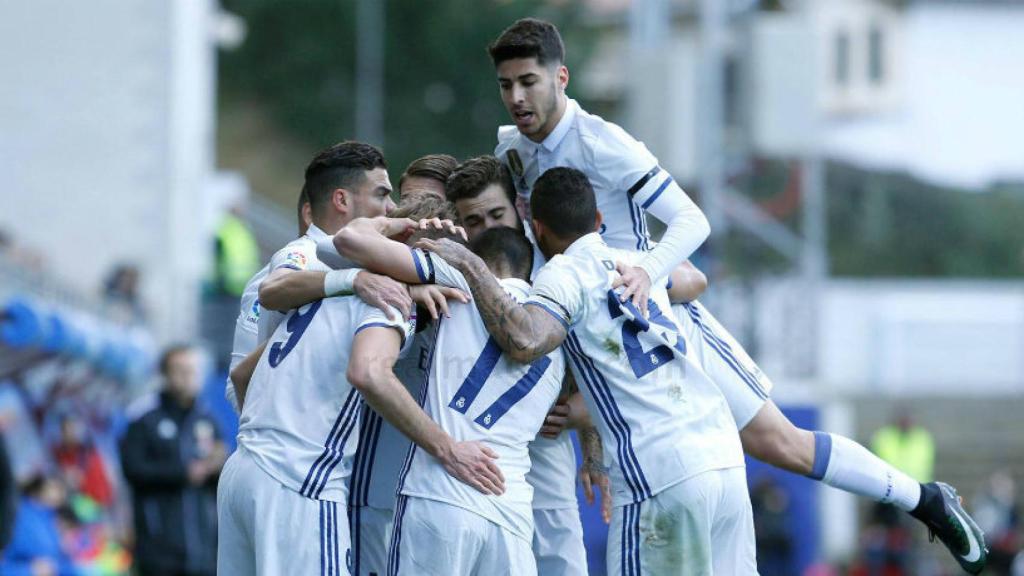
pixel 876 55
pixel 842 58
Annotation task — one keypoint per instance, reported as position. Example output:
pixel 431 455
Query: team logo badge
pixel 297 259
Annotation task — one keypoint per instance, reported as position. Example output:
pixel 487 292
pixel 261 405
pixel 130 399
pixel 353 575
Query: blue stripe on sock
pixel 822 454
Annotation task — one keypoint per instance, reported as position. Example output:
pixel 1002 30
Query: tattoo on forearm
pixel 593 451
pixel 507 321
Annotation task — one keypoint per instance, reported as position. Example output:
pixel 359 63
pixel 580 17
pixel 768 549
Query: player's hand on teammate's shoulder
pixel 637 285
pixel 383 292
pixel 473 463
pixel 435 298
pixel 454 253
pixel 445 225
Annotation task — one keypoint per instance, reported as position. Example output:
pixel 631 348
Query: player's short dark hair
pixel 471 177
pixel 434 166
pixel 169 353
pixel 340 166
pixel 303 198
pixel 504 246
pixel 528 38
pixel 563 200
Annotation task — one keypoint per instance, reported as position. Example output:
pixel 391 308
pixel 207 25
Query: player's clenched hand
pixel 383 292
pixel 637 283
pixel 451 252
pixel 556 421
pixel 593 474
pixel 473 463
pixel 447 225
pixel 435 298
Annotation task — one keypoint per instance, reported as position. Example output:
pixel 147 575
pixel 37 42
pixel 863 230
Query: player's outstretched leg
pixel 830 458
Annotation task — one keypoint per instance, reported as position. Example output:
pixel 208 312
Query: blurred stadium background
pixel 859 161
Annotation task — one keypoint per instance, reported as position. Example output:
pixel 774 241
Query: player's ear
pixel 563 77
pixel 340 199
pixel 597 221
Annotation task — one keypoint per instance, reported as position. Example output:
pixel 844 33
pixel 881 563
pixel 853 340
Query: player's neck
pixel 560 108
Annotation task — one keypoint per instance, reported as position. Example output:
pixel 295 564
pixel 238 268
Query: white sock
pixel 846 465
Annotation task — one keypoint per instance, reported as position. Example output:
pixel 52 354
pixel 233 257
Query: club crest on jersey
pixel 297 259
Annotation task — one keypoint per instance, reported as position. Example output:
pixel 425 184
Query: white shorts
pixel 371 534
pixel 744 386
pixel 267 529
pixel 437 539
pixel 558 542
pixel 702 526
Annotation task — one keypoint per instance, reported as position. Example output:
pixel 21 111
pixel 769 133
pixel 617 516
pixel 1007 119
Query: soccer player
pixel 678 476
pixel 288 291
pixel 552 130
pixel 426 175
pixel 382 447
pixel 473 392
pixel 482 192
pixel 279 494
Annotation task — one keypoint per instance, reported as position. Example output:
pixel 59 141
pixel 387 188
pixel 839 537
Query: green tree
pixel 298 63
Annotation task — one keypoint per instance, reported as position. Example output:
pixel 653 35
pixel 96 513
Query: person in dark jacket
pixel 172 454
pixel 8 495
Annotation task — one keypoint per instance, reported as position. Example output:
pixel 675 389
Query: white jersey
pixel 382 448
pixel 553 472
pixel 663 420
pixel 246 329
pixel 299 254
pixel 300 421
pixel 475 393
pixel 626 177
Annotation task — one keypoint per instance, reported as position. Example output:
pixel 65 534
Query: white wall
pixel 963 99
pixel 903 338
pixel 107 141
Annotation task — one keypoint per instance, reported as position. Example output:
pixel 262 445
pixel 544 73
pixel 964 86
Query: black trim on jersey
pixel 643 181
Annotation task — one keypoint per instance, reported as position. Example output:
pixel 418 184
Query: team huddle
pixel 406 376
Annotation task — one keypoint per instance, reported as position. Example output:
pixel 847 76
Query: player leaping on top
pixel 552 130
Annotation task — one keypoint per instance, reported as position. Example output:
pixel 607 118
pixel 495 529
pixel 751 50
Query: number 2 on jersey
pixel 296 326
pixel 643 362
pixel 477 377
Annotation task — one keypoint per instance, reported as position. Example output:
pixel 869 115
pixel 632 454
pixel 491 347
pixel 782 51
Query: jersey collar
pixel 314 232
pixel 562 128
pixel 584 243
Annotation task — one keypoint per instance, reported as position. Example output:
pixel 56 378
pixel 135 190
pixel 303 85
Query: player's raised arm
pixel 626 164
pixel 374 352
pixel 525 333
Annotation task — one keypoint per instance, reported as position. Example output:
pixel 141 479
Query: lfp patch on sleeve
pixel 296 259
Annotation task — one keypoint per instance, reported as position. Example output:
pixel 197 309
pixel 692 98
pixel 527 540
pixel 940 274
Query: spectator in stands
pixel 8 495
pixel 997 513
pixel 770 507
pixel 80 462
pixel 36 548
pixel 237 255
pixel 121 294
pixel 906 446
pixel 172 455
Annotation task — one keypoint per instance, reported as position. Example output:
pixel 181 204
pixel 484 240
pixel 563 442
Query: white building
pixel 107 143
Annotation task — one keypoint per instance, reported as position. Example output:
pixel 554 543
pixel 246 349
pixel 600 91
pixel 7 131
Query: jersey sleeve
pixel 296 256
pixel 557 290
pixel 625 164
pixel 433 269
pixel 370 317
pixel 328 254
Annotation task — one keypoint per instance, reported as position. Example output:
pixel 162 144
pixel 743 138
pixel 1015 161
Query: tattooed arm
pixel 593 472
pixel 525 333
